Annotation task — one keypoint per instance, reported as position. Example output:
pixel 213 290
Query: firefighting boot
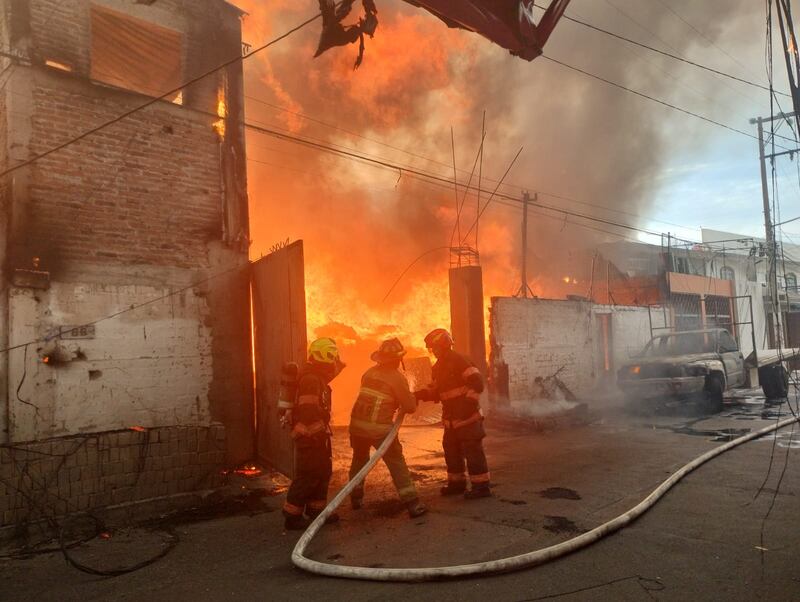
pixel 416 508
pixel 478 491
pixel 454 488
pixel 296 522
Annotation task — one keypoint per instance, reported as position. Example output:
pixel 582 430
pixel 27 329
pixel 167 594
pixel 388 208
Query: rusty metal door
pixel 279 336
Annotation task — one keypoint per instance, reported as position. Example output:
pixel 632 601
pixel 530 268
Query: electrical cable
pixel 171 541
pixel 425 175
pixel 651 98
pixel 127 309
pixel 357 155
pixel 440 163
pixel 49 517
pixel 668 54
pixel 153 100
pixel 503 565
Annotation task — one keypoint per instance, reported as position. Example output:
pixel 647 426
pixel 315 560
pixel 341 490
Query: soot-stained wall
pixel 145 220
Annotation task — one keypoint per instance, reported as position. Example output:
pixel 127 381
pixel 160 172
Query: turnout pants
pixel 394 461
pixel 309 489
pixel 463 448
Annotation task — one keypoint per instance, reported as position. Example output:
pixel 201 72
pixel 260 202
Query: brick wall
pixel 61 31
pixel 534 338
pixel 53 478
pixel 132 213
pixel 145 191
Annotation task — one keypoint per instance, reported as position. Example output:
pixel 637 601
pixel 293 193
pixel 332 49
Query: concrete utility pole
pixel 772 251
pixel 524 289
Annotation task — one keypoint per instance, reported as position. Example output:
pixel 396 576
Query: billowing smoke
pixel 582 139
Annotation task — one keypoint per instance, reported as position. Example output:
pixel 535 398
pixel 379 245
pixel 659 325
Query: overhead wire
pixel 155 99
pixel 652 98
pixel 425 175
pixel 668 54
pixel 681 81
pixel 407 167
pixel 128 309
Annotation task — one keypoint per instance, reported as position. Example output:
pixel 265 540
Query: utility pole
pixel 524 289
pixel 772 247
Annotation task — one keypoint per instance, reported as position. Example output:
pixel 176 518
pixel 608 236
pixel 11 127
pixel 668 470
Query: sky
pixel 713 179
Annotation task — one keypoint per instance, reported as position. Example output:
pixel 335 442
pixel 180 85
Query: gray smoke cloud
pixel 582 139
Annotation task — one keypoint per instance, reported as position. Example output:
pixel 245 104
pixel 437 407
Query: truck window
pixel 682 344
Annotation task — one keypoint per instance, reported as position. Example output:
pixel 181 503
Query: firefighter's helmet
pixel 438 338
pixel 389 351
pixel 324 351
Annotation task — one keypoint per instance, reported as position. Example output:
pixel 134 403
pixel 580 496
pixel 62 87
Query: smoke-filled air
pixel 363 224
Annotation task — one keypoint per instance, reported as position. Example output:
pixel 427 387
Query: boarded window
pixel 134 54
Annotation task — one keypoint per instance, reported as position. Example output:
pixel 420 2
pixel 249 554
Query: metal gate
pixel 279 336
pixel 690 312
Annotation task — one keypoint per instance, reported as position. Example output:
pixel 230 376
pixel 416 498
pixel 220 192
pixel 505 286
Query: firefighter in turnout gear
pixel 384 391
pixel 457 383
pixel 306 405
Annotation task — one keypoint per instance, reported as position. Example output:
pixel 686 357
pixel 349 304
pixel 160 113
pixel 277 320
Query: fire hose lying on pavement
pixel 502 565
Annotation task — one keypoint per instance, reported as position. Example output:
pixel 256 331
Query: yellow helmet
pixel 324 351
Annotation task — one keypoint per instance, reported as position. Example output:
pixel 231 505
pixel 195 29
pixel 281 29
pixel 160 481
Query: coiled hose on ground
pixel 501 565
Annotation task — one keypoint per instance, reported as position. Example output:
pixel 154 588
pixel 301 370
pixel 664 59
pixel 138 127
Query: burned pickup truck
pixel 697 365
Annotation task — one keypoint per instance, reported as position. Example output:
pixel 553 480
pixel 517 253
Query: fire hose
pixel 502 565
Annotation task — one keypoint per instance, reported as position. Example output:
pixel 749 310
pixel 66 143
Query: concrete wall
pixel 151 205
pixel 533 338
pixel 466 313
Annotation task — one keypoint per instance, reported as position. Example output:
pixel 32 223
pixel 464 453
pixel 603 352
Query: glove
pixel 425 395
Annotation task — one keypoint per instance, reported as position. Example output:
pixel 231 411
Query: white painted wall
pixel 151 366
pixel 537 337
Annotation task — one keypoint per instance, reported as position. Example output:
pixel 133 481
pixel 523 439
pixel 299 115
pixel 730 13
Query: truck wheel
pixel 712 400
pixel 774 381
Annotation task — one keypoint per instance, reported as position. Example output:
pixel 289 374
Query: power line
pixel 429 176
pixel 652 98
pixel 707 39
pixel 441 163
pixel 504 202
pixel 127 309
pixel 155 99
pixel 670 55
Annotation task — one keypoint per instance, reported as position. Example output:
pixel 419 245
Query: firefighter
pixel 384 391
pixel 308 411
pixel 457 383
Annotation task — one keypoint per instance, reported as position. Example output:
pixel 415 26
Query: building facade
pixel 124 310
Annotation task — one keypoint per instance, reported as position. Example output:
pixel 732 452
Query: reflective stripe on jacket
pixel 458 385
pixel 383 391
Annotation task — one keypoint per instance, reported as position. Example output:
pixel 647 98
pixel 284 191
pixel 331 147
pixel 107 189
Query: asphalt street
pixel 729 531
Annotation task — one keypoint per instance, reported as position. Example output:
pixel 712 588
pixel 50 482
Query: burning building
pixel 125 300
